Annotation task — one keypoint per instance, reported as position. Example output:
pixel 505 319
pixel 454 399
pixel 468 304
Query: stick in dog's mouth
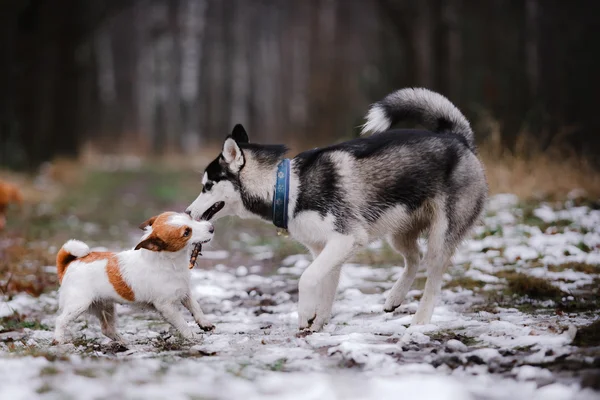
pixel 215 208
pixel 208 214
pixel 196 251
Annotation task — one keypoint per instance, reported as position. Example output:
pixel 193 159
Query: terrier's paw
pixel 188 335
pixel 58 341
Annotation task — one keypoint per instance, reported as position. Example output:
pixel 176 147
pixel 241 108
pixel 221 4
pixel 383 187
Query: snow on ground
pixel 477 347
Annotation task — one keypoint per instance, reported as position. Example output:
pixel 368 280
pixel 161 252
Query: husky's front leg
pixel 319 282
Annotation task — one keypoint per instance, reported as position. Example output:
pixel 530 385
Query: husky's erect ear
pixel 233 155
pixel 152 244
pixel 239 134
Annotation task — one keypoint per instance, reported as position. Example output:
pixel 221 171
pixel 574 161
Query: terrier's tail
pixel 70 251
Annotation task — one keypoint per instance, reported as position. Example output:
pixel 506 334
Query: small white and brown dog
pixel 154 274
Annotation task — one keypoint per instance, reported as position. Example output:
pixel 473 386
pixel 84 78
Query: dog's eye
pixel 207 186
pixel 187 232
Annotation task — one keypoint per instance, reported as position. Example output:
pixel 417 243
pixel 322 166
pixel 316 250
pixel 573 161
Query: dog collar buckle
pixel 283 232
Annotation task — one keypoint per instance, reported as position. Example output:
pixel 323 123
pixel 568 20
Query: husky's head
pixel 238 182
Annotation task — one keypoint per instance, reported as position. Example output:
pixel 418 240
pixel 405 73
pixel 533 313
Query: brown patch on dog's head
pixel 166 234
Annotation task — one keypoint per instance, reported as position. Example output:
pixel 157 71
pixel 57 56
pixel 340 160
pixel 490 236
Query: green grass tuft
pixel 17 322
pixel 532 287
pixel 588 336
pixel 278 365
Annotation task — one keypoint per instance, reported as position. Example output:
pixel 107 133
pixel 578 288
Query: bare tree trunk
pixel 300 66
pixel 10 142
pixel 162 45
pixel 240 88
pixel 193 22
pixel 323 82
pixel 147 86
pixel 266 74
pixel 106 81
pixel 423 42
pixel 532 46
pixel 450 16
pixel 215 114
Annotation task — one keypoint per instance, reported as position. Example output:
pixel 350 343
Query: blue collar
pixel 282 194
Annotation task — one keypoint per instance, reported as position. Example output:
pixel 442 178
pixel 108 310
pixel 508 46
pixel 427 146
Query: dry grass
pixel 540 176
pixel 575 266
pixel 526 171
pixel 22 269
pixel 464 283
pixel 533 173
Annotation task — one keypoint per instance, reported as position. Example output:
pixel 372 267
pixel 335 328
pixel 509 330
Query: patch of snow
pixel 363 353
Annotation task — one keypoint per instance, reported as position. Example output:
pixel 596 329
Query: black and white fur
pixel 396 184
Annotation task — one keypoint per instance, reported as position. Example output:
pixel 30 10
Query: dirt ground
pixel 518 318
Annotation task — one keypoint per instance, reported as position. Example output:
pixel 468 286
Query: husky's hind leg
pixel 439 251
pixel 406 244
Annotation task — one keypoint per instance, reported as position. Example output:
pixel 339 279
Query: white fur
pixel 431 105
pixel 220 191
pixel 179 220
pixel 377 121
pixel 77 248
pixel 160 279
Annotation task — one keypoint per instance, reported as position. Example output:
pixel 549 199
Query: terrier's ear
pixel 147 223
pixel 233 155
pixel 152 244
pixel 239 134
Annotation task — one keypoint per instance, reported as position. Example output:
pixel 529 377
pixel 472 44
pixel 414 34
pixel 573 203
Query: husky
pixel 395 184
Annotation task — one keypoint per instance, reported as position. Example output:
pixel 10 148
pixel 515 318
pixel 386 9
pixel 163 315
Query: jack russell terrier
pixel 155 273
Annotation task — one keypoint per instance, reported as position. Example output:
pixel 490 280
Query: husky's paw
pixel 206 326
pixel 391 304
pixel 312 324
pixel 421 318
pixel 312 315
pixel 307 302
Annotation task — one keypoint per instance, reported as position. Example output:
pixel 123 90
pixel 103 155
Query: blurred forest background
pixel 152 77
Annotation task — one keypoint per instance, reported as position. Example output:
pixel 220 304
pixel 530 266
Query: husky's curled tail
pixel 432 110
pixel 70 251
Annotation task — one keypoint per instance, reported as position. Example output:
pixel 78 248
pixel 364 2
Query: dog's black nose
pixel 211 229
pixel 188 212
